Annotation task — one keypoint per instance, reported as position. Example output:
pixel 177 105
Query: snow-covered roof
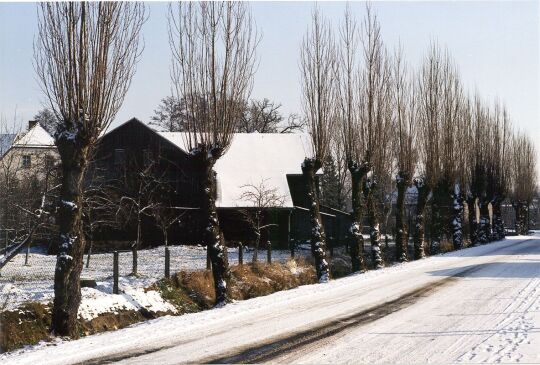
pixel 37 136
pixel 253 157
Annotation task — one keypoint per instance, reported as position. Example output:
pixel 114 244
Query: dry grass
pixel 25 326
pixel 246 281
pixel 255 280
pixel 446 246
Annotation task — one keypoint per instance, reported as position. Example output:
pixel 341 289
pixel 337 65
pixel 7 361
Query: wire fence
pixel 38 266
pixel 30 277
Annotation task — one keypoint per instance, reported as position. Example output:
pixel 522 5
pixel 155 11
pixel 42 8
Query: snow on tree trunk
pixel 419 226
pixel 212 236
pixel 473 224
pixel 370 185
pixel 402 237
pixel 356 245
pixel 318 239
pixel 457 222
pixel 439 214
pixel 498 224
pixel 67 290
pixel 521 208
pixel 484 228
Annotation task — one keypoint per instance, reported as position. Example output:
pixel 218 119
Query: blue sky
pixel 496 45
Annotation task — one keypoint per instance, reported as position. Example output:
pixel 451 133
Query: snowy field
pixel 477 305
pixel 20 283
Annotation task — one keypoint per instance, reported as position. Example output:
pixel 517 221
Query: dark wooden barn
pixel 134 149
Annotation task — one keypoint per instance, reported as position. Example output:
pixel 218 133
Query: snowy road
pixel 477 305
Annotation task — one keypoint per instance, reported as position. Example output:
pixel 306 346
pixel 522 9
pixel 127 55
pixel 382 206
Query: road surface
pixel 480 304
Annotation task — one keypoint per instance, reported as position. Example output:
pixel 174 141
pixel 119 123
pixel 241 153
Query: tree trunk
pixel 437 217
pixel 498 224
pixel 457 223
pixel 212 236
pixel 255 257
pixel 375 234
pixel 473 224
pixel 419 227
pixel 521 208
pixel 69 264
pixel 356 244
pixel 91 243
pixel 318 238
pixel 484 229
pixel 402 237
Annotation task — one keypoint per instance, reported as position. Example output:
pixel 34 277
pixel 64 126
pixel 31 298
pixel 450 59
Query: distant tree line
pixel 398 130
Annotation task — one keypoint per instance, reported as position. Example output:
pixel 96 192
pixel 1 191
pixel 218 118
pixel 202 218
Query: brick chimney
pixel 32 124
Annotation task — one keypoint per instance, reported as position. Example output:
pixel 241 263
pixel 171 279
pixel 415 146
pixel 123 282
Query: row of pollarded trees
pixel 398 127
pixel 85 57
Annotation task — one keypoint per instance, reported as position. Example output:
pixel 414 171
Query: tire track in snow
pixel 270 350
pixel 267 351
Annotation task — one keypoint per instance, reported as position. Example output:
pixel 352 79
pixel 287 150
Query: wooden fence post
pixel 27 254
pixel 115 272
pixel 291 246
pixel 135 259
pixel 167 263
pixel 269 252
pixel 240 253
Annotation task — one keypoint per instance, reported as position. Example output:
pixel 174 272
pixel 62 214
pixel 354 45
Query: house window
pixel 148 158
pixel 26 161
pixel 119 156
pixel 49 162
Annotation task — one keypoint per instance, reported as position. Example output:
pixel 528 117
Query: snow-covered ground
pixel 480 304
pixel 20 283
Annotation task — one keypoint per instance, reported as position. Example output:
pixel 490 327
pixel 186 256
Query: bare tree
pixel 170 115
pixel 447 199
pixel 346 72
pixel 375 117
pixel 99 207
pixel 483 130
pixel 213 58
pixel 260 197
pixel 167 216
pixel 317 61
pixel 141 190
pixel 405 131
pixel 523 179
pixel 85 56
pixel 500 155
pixel 430 96
pixel 46 118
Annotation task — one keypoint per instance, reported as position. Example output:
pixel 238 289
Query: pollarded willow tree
pixel 429 96
pixel 404 140
pixel 500 166
pixel 447 198
pixel 479 207
pixel 523 176
pixel 317 63
pixel 475 145
pixel 375 121
pixel 213 62
pixel 85 56
pixel 346 72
